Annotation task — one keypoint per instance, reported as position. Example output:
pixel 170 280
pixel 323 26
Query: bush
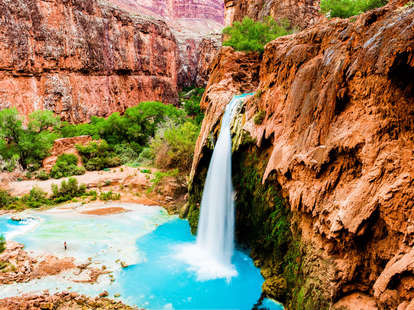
pixel 127 153
pixel 191 99
pixel 36 198
pixel 2 243
pixel 109 196
pixel 173 145
pixel 68 189
pixel 249 35
pixel 259 117
pixel 348 8
pixel 134 127
pixel 97 156
pixel 43 175
pixel 5 199
pixel 160 175
pixel 66 165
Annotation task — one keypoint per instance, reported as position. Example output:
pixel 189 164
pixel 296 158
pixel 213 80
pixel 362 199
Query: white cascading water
pixel 212 253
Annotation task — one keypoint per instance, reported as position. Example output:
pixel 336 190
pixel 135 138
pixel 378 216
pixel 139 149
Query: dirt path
pixel 92 179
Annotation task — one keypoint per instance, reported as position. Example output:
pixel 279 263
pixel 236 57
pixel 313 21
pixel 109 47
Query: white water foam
pixel 211 256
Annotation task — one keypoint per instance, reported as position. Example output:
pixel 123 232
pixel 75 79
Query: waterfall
pixel 212 253
pixel 216 223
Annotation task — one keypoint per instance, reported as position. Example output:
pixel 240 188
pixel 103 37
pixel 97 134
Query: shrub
pixel 5 199
pixel 109 196
pixel 191 99
pixel 36 198
pixel 259 117
pixel 160 175
pixel 249 35
pixel 2 243
pixel 134 127
pixel 66 165
pixel 43 175
pixel 127 153
pixel 97 156
pixel 68 190
pixel 173 145
pixel 348 8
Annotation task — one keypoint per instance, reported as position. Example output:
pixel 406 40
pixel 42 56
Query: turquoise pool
pixel 146 239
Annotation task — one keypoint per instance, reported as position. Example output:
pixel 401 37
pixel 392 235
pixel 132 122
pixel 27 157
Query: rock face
pixel 65 146
pixel 301 14
pixel 84 58
pixel 80 58
pixel 335 141
pixel 177 9
pixel 195 24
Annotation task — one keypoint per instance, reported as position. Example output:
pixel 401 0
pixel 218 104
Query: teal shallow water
pixel 146 239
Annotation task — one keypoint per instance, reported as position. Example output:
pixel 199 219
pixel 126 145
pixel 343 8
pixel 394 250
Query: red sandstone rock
pixel 338 100
pixel 65 146
pixel 83 58
pixel 301 13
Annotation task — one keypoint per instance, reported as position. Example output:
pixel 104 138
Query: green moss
pixel 259 117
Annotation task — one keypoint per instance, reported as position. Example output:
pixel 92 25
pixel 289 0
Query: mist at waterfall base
pixel 210 257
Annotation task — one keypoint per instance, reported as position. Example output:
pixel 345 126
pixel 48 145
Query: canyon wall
pixel 80 58
pixel 176 9
pixel 323 160
pixel 84 58
pixel 193 23
pixel 300 13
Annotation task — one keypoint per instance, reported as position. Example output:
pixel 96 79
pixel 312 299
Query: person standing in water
pixel 65 246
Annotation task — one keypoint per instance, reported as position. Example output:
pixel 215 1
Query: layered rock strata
pixel 197 27
pixel 301 14
pixel 83 58
pixel 328 136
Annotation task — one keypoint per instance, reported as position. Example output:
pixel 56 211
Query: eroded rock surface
pixel 63 300
pixel 301 14
pixel 85 58
pixel 337 137
pixel 82 58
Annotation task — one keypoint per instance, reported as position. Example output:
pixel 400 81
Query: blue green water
pixel 147 240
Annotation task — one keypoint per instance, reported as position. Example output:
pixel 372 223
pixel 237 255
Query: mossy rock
pixel 275 287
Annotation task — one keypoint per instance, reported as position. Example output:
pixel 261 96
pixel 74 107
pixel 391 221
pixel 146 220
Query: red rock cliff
pixel 301 13
pixel 197 26
pixel 336 136
pixel 81 58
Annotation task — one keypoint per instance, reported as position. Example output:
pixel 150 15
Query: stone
pixel 103 294
pixel 338 136
pixel 300 13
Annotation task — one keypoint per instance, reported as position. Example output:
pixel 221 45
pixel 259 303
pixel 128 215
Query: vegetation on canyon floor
pixel 249 35
pixel 152 133
pixel 2 243
pixel 146 131
pixel 348 8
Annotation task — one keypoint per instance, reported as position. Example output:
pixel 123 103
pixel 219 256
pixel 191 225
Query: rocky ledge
pixel 16 265
pixel 63 300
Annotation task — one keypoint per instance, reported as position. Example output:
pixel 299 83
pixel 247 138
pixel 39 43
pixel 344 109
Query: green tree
pixel 173 145
pixel 250 35
pixel 31 144
pixel 348 8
